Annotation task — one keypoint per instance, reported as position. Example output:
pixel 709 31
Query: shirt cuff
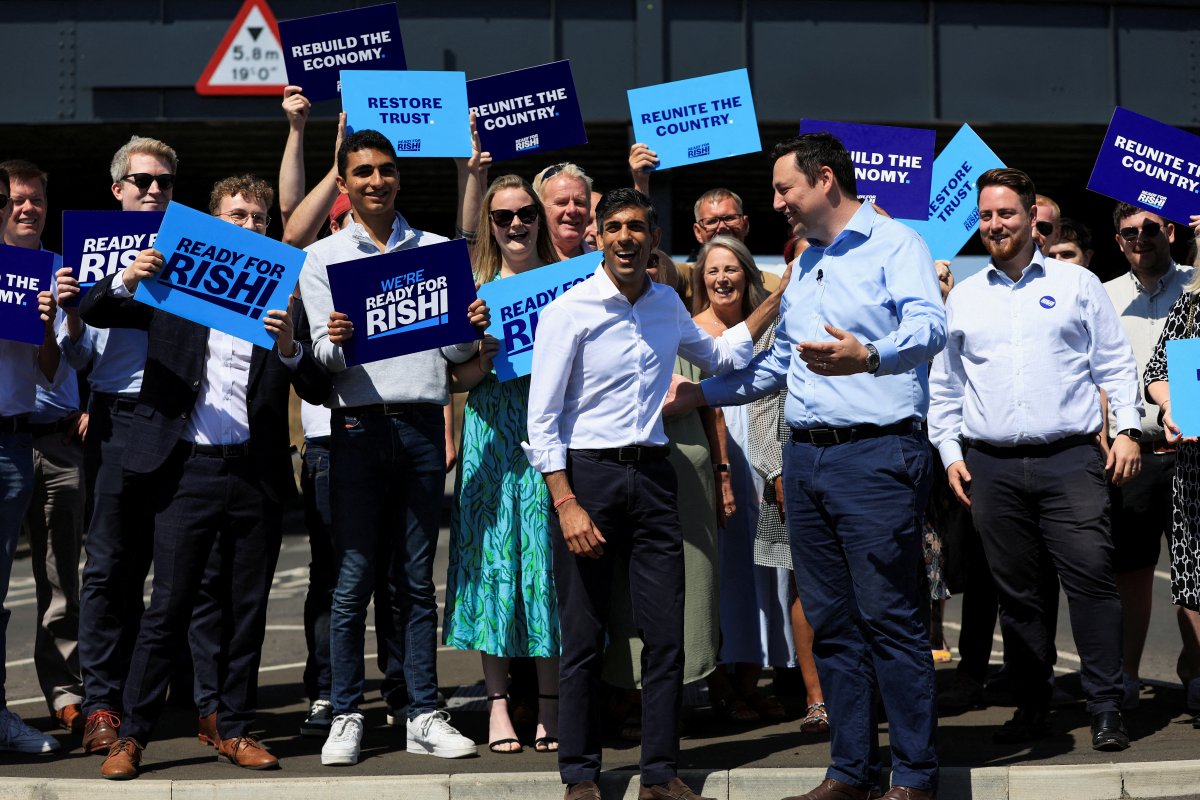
pixel 1127 418
pixel 889 354
pixel 950 451
pixel 552 459
pixel 294 361
pixel 742 344
pixel 117 287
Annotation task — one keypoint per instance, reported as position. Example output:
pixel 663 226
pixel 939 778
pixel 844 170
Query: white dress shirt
pixel 20 376
pixel 1023 360
pixel 602 367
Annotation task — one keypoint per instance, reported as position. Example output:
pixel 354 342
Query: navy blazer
pixel 175 362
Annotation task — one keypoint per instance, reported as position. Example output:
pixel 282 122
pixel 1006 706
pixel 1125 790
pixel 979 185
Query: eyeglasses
pixel 711 223
pixel 240 217
pixel 1044 228
pixel 503 217
pixel 1149 230
pixel 142 180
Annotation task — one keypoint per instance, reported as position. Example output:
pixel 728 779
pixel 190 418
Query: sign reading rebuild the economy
pixel 98 243
pixel 316 49
pixel 219 274
pixel 526 111
pixel 23 274
pixel 405 301
pixel 422 113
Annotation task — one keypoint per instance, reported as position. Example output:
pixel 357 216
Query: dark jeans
pixel 204 505
pixel 16 488
pixel 386 483
pixel 854 514
pixel 635 508
pixel 1024 509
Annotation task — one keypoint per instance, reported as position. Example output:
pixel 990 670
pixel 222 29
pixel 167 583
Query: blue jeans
pixel 16 488
pixel 386 484
pixel 854 515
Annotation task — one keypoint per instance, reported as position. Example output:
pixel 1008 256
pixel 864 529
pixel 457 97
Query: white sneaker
pixel 16 735
pixel 431 734
pixel 344 742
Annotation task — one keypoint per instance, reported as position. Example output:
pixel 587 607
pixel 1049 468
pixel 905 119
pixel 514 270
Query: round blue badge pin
pixel 1047 302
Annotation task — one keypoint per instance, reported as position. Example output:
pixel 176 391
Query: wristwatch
pixel 872 359
pixel 720 467
pixel 1132 433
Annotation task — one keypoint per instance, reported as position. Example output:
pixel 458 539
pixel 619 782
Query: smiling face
pixel 796 197
pixel 721 217
pixel 1146 254
pixel 27 215
pixel 724 280
pixel 518 239
pixel 371 181
pixel 628 242
pixel 154 197
pixel 567 212
pixel 1005 227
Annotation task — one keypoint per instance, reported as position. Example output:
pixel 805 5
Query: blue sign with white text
pixel 527 111
pixel 316 49
pixel 405 301
pixel 1183 376
pixel 23 274
pixel 220 275
pixel 517 302
pixel 698 119
pixel 98 243
pixel 893 167
pixel 1149 164
pixel 954 202
pixel 422 113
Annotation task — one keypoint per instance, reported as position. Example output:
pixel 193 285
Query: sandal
pixel 767 706
pixel 816 719
pixel 496 746
pixel 546 744
pixel 733 708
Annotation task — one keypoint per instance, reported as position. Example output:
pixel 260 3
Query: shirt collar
pixel 1036 265
pixel 860 224
pixel 401 233
pixel 1164 280
pixel 606 287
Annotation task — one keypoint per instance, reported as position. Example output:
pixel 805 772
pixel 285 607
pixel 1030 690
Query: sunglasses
pixel 552 171
pixel 1044 228
pixel 142 180
pixel 503 217
pixel 1149 230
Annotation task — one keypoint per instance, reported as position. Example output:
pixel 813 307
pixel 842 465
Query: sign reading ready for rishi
pixel 698 119
pixel 517 302
pixel 527 110
pixel 422 113
pixel 405 301
pixel 219 274
pixel 23 273
pixel 893 167
pixel 1150 165
pixel 98 243
pixel 316 49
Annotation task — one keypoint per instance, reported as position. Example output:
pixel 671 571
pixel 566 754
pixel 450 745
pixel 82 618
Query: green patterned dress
pixel 500 596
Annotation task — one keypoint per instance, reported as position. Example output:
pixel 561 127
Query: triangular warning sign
pixel 249 59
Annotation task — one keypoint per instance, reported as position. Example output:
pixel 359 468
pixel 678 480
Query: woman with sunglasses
pixel 500 597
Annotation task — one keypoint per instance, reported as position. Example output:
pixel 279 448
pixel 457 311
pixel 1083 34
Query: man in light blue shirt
pixel 860 320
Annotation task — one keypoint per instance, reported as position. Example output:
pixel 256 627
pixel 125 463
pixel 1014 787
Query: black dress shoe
pixel 1108 731
pixel 1025 726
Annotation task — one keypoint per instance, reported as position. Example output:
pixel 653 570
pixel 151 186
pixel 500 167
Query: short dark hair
pixel 250 187
pixel 363 140
pixel 24 170
pixel 815 150
pixel 1122 211
pixel 1077 232
pixel 1010 178
pixel 617 199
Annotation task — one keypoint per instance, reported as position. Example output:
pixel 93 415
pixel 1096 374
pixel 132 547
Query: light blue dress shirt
pixel 875 280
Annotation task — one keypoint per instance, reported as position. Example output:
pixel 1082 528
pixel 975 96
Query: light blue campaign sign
pixel 1149 164
pixel 953 201
pixel 421 113
pixel 698 119
pixel 517 302
pixel 219 274
pixel 1183 374
pixel 23 274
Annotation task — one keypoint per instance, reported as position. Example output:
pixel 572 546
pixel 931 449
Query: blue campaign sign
pixel 23 273
pixel 1149 164
pixel 98 243
pixel 527 110
pixel 316 49
pixel 698 119
pixel 422 113
pixel 219 274
pixel 405 301
pixel 1183 376
pixel 893 167
pixel 954 203
pixel 517 302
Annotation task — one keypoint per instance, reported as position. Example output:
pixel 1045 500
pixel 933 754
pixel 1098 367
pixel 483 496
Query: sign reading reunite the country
pixel 954 201
pixel 1150 165
pixel 698 119
pixel 517 302
pixel 98 243
pixel 527 110
pixel 1183 376
pixel 23 273
pixel 316 49
pixel 405 301
pixel 893 167
pixel 422 113
pixel 219 274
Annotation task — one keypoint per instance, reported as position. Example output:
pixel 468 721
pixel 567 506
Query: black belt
pixel 115 402
pixel 19 424
pixel 630 454
pixel 219 450
pixel 319 441
pixel 1032 450
pixel 46 428
pixel 823 437
pixel 391 409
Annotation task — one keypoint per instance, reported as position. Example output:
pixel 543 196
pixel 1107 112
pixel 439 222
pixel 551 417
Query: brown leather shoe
pixel 206 731
pixel 831 789
pixel 70 718
pixel 248 752
pixel 907 793
pixel 585 790
pixel 675 790
pixel 100 731
pixel 122 762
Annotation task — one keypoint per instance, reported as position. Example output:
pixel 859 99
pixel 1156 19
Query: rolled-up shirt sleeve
pixel 765 373
pixel 1113 365
pixel 314 289
pixel 911 279
pixel 554 351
